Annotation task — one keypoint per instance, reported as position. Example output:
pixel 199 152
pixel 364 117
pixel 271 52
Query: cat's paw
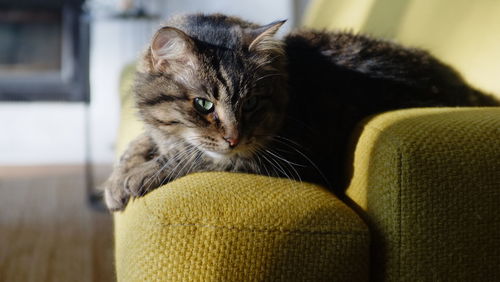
pixel 115 197
pixel 115 201
pixel 137 184
pixel 120 187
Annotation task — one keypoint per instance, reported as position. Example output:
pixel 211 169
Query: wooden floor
pixel 48 232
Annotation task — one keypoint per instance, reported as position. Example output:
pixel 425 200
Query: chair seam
pixel 396 143
pixel 265 229
pixel 400 192
pixel 156 217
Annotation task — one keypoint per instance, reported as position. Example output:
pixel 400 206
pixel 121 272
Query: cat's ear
pixel 171 49
pixel 258 38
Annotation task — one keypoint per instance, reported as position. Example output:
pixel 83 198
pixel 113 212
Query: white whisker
pixel 281 158
pixel 304 156
pixel 289 163
pixel 267 75
pixel 286 172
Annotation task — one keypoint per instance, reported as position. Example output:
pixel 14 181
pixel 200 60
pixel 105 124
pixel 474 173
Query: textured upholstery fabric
pixel 238 227
pixel 429 183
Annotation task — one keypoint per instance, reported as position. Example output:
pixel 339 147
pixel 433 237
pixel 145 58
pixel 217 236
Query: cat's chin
pixel 217 156
pixel 220 156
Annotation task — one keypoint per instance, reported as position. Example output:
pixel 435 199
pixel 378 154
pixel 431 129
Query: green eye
pixel 250 104
pixel 203 105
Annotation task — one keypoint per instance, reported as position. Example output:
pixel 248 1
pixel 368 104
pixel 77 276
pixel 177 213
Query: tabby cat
pixel 217 93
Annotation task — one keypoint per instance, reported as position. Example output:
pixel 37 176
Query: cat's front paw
pixel 120 187
pixel 115 196
pixel 137 184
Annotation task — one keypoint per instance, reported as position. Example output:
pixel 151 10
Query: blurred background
pixel 79 50
pixel 60 68
pixel 60 61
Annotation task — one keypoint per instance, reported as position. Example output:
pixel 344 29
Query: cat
pixel 217 93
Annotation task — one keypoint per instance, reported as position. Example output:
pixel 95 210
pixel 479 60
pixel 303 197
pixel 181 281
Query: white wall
pixel 51 133
pixel 39 133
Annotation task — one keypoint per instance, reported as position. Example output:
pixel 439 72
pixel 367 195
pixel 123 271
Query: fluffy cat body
pixel 217 93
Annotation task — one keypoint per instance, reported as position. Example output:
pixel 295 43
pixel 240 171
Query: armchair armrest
pixel 428 181
pixel 240 227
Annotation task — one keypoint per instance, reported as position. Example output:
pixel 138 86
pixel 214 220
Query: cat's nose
pixel 232 140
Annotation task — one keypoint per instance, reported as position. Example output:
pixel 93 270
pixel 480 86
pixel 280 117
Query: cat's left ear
pixel 257 38
pixel 172 49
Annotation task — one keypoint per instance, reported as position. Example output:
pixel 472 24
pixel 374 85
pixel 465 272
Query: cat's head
pixel 215 82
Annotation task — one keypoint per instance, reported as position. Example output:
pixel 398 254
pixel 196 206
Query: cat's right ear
pixel 259 38
pixel 172 50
